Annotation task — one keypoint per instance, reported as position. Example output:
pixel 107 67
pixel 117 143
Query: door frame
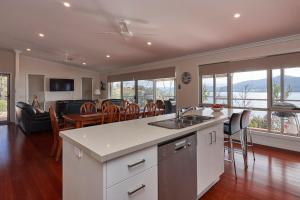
pixel 8 97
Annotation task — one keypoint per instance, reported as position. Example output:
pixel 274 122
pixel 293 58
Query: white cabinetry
pixel 133 176
pixel 210 157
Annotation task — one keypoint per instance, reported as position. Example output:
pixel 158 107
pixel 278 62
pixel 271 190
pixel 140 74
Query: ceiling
pixel 175 28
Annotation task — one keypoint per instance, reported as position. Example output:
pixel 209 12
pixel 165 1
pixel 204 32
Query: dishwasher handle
pixel 180 145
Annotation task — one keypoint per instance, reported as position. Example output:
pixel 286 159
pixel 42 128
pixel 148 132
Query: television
pixel 61 84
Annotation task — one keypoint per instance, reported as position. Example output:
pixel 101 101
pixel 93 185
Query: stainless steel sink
pixel 183 122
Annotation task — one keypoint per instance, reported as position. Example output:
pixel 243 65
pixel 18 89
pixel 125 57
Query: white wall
pixel 29 65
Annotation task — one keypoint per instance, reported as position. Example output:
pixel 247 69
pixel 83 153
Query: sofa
pixel 30 120
pixel 117 102
pixel 69 106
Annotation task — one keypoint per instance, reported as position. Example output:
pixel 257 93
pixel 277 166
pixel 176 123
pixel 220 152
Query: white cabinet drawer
pixel 140 187
pixel 124 167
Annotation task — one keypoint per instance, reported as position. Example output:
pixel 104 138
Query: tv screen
pixel 61 85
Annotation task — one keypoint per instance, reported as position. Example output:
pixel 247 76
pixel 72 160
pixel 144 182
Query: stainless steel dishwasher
pixel 177 169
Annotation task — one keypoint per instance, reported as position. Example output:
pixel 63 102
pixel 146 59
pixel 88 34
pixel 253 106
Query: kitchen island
pixel 119 161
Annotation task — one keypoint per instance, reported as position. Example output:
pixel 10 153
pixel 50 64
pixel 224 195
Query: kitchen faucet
pixel 182 111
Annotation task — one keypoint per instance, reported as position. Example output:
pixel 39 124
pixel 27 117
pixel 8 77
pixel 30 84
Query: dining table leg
pixel 79 124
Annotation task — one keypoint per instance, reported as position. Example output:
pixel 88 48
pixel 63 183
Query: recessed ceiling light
pixel 28 49
pixel 149 43
pixel 42 35
pixel 84 63
pixel 237 15
pixel 67 4
pixel 107 56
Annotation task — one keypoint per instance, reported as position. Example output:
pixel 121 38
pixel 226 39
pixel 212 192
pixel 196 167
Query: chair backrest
pixel 132 111
pixel 160 104
pixel 111 113
pixel 124 104
pixel 105 104
pixel 245 119
pixel 88 107
pixel 54 122
pixel 234 123
pixel 149 110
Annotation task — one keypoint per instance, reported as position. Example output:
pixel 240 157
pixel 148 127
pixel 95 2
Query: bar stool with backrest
pixel 231 128
pixel 149 110
pixel 132 111
pixel 244 123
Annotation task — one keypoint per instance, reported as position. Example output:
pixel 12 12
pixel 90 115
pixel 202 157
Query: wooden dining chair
pixel 149 110
pixel 132 112
pixel 124 104
pixel 111 113
pixel 105 104
pixel 160 106
pixel 56 149
pixel 87 108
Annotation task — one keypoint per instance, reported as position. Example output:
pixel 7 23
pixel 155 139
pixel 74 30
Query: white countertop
pixel 109 141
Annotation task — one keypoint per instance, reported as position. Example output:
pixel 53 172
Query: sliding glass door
pixel 129 91
pixel 145 91
pixel 4 98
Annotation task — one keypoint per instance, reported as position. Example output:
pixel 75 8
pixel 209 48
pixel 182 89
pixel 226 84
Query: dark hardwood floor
pixel 28 173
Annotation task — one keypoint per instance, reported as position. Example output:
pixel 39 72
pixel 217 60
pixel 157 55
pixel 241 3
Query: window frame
pixel 136 88
pixel 270 107
pixel 214 76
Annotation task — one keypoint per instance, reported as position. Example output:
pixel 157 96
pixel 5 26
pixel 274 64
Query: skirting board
pixel 291 143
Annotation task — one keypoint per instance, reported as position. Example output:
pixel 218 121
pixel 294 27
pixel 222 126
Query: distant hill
pixel 261 84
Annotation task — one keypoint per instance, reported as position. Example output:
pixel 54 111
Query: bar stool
pixel 245 121
pixel 230 128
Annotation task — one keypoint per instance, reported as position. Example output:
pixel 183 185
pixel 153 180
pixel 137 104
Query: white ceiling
pixel 178 27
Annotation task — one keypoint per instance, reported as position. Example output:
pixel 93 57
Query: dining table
pixel 79 120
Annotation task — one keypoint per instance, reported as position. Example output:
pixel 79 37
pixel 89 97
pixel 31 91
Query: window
pixel 285 83
pixel 291 85
pixel 214 89
pixel 129 91
pixel 249 89
pixel 165 89
pixel 276 86
pixel 139 91
pixel 208 89
pixel 221 89
pixel 115 90
pixel 145 91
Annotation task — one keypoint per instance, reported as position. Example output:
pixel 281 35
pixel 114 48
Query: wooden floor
pixel 28 173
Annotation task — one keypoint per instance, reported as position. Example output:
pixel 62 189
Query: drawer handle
pixel 211 138
pixel 137 163
pixel 136 190
pixel 215 136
